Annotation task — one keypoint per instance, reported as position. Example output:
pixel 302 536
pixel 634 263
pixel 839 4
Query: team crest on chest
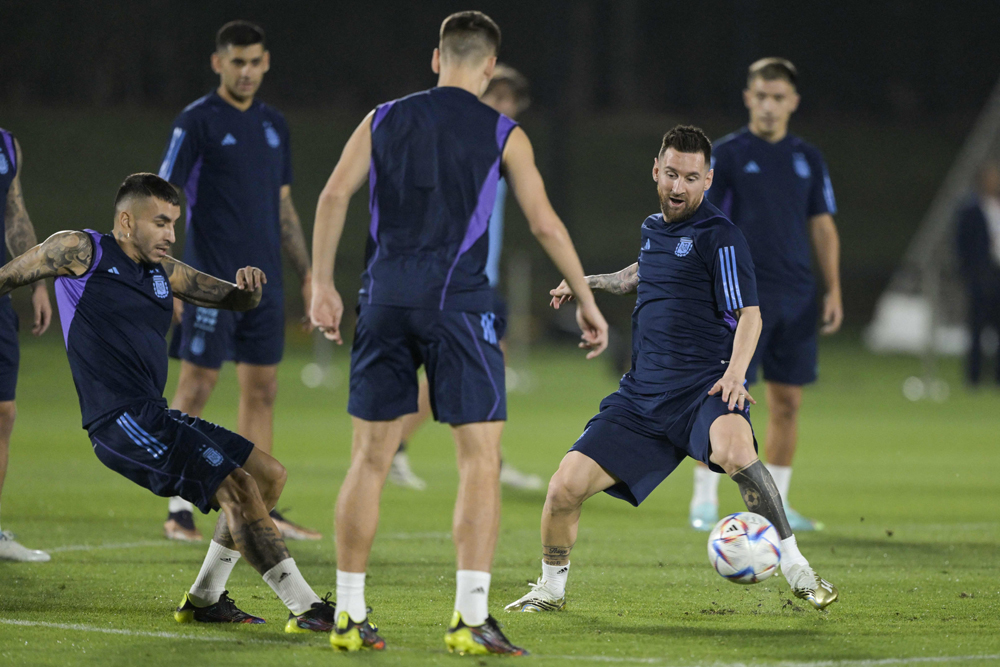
pixel 684 246
pixel 801 165
pixel 273 140
pixel 4 165
pixel 160 287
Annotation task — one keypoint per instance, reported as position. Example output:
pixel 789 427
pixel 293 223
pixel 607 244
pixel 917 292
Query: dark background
pixel 889 89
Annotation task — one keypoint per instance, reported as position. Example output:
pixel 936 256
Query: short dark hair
pixel 147 185
pixel 505 75
pixel 771 69
pixel 470 33
pixel 687 139
pixel 239 33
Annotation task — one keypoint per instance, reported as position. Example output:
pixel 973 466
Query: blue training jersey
pixel 435 170
pixel 692 275
pixel 770 191
pixel 115 319
pixel 231 165
pixel 8 172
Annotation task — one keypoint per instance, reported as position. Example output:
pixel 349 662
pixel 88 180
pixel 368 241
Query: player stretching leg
pixel 508 94
pixel 774 186
pixel 696 311
pixel 433 161
pixel 114 294
pixel 15 225
pixel 231 156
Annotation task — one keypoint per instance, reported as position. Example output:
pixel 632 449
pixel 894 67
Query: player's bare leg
pixel 783 403
pixel 579 477
pixel 732 450
pixel 400 473
pixel 255 422
pixel 10 549
pixel 246 529
pixel 194 388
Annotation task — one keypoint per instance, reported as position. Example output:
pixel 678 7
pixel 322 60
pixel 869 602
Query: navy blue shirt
pixel 231 165
pixel 115 319
pixel 433 181
pixel 770 191
pixel 692 275
pixel 8 172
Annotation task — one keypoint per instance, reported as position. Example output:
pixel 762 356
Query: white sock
pixel 289 585
pixel 472 593
pixel 790 554
pixel 211 581
pixel 351 595
pixel 554 577
pixel 178 504
pixel 782 478
pixel 706 487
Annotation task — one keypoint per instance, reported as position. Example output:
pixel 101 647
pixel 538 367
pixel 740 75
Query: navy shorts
pixel 460 352
pixel 500 313
pixel 787 348
pixel 642 451
pixel 170 453
pixel 208 337
pixel 10 353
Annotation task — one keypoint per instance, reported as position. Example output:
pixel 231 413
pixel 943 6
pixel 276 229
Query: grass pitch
pixel 908 492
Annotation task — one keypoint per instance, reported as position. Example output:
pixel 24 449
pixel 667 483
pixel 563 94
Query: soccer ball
pixel 744 548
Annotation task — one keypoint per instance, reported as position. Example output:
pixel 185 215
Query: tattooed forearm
pixel 62 254
pixel 555 555
pixel 623 282
pixel 201 289
pixel 20 233
pixel 292 239
pixel 260 543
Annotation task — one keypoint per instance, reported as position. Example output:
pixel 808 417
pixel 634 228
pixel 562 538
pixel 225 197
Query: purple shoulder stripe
pixel 69 289
pixel 380 112
pixel 505 126
pixel 8 141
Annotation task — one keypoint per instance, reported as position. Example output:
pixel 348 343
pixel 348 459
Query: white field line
pixel 582 658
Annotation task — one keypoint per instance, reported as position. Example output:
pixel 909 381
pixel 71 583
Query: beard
pixel 671 214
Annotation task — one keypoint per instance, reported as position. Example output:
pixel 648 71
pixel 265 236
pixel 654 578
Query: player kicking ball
pixel 115 303
pixel 696 315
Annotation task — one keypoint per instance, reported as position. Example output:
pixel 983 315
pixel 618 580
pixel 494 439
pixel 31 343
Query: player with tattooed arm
pixel 20 235
pixel 694 330
pixel 114 293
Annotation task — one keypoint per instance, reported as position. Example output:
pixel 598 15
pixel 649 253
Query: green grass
pixel 908 492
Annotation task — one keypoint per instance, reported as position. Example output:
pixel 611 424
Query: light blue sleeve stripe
pixel 167 168
pixel 831 203
pixel 136 439
pixel 736 276
pixel 131 420
pixel 730 269
pixel 725 283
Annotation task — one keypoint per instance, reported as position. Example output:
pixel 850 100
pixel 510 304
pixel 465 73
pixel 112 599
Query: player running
pixel 775 188
pixel 114 295
pixel 433 161
pixel 508 94
pixel 231 156
pixel 696 316
pixel 15 226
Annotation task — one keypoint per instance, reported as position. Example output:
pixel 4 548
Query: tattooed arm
pixel 21 238
pixel 62 254
pixel 294 243
pixel 201 289
pixel 624 282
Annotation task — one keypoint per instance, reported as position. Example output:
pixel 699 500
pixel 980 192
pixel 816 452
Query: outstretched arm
pixel 62 254
pixel 331 211
pixel 201 289
pixel 20 237
pixel 624 282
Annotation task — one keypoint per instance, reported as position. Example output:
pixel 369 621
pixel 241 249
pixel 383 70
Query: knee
pixel 733 455
pixel 565 494
pixel 196 387
pixel 261 394
pixel 238 491
pixel 785 406
pixel 8 413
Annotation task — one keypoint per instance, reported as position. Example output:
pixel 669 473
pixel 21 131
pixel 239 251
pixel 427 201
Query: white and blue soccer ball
pixel 744 548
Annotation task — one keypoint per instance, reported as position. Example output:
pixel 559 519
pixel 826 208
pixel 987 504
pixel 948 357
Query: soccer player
pixel 230 154
pixel 508 94
pixel 696 318
pixel 15 225
pixel 775 188
pixel 433 161
pixel 114 294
